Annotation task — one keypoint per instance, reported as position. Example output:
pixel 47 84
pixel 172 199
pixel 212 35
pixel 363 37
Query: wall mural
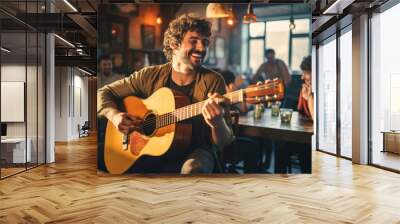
pixel 174 99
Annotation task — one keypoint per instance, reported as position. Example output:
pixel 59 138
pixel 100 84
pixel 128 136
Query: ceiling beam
pixel 83 61
pixel 84 24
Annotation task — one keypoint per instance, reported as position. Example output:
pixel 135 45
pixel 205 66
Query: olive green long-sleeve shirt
pixel 145 82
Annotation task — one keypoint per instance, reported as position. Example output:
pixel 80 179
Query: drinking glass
pixel 286 115
pixel 257 111
pixel 275 110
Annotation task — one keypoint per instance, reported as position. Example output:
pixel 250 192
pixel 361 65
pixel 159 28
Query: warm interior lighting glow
pixel 230 22
pixel 216 10
pixel 159 20
pixel 250 17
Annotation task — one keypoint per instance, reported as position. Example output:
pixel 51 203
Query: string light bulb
pixel 292 26
pixel 230 21
pixel 159 20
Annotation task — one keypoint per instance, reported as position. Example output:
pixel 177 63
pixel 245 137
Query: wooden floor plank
pixel 73 191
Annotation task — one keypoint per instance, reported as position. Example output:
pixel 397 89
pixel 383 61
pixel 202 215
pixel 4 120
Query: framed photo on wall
pixel 148 36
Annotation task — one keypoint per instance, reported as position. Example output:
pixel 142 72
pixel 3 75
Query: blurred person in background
pixel 271 69
pixel 106 74
pixel 305 104
pixel 305 108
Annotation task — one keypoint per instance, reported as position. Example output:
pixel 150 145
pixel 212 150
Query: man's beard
pixel 186 58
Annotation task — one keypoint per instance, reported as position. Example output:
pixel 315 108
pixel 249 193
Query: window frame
pixel 334 37
pixel 290 38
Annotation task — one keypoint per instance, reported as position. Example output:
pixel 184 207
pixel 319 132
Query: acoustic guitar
pixel 163 131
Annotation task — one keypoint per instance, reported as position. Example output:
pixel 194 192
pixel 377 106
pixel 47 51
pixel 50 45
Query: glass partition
pixel 346 94
pixel 385 88
pixel 22 89
pixel 14 69
pixel 326 109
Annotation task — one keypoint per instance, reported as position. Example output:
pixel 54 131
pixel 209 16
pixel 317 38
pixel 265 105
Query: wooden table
pixel 391 141
pixel 271 128
pixel 298 130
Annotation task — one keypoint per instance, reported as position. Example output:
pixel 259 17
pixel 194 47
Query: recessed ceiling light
pixel 84 71
pixel 70 5
pixel 5 50
pixel 65 41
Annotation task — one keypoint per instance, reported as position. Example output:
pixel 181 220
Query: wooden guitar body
pixel 147 149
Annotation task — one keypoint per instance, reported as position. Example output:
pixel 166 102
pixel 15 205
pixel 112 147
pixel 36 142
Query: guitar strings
pixel 167 117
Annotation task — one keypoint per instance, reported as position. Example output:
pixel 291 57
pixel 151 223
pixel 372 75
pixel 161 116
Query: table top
pixel 13 140
pixel 391 132
pixel 267 121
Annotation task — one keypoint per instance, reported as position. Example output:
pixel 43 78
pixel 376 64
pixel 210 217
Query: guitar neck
pixel 231 98
pixel 193 110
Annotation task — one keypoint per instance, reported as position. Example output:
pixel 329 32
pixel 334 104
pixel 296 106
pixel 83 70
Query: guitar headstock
pixel 271 90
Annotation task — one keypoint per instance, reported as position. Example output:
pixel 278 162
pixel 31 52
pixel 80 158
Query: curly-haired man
pixel 185 45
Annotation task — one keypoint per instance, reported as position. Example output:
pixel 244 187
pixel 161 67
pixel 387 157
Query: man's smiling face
pixel 192 50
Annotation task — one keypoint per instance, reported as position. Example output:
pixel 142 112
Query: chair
pixel 84 130
pixel 292 93
pixel 296 155
pixel 230 157
pixel 219 153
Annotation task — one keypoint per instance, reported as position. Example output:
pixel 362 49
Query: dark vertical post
pixel 338 74
pixel 369 96
pixel 316 97
pixel 26 86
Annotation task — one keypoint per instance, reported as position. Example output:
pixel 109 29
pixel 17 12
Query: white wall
pixel 34 106
pixel 13 73
pixel 71 102
pixel 61 103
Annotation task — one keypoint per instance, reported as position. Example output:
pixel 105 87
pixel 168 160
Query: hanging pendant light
pixel 230 21
pixel 292 26
pixel 231 18
pixel 250 17
pixel 216 10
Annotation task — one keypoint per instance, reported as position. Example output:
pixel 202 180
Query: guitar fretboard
pixel 193 110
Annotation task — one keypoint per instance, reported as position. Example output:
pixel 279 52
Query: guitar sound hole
pixel 149 124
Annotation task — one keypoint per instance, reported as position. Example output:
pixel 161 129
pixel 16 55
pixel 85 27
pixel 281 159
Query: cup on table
pixel 286 115
pixel 275 110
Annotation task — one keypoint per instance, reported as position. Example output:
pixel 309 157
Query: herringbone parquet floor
pixel 71 191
